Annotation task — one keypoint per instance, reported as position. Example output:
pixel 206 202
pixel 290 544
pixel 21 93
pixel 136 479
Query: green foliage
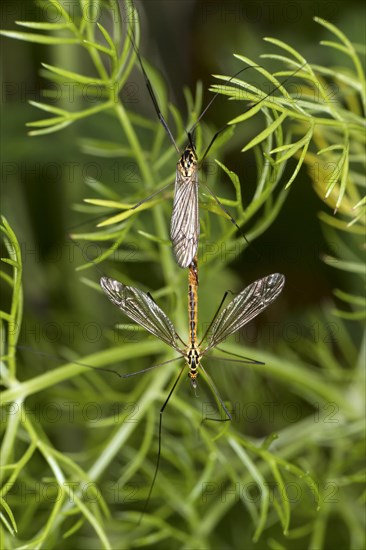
pixel 91 476
pixel 326 131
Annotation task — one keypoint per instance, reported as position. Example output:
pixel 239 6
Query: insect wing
pixel 244 307
pixel 185 225
pixel 139 307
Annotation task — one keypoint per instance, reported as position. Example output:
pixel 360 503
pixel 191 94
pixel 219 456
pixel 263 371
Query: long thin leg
pixel 152 95
pixel 218 396
pixel 71 361
pixel 250 107
pixel 94 219
pixel 240 356
pixel 85 256
pixel 213 319
pixel 129 374
pixel 191 131
pixel 159 444
pixel 151 196
pixel 213 139
pixel 230 218
pixel 244 361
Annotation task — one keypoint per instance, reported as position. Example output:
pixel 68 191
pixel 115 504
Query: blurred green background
pixel 43 177
pixel 187 41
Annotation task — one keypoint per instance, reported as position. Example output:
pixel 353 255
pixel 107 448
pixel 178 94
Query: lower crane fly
pixel 141 308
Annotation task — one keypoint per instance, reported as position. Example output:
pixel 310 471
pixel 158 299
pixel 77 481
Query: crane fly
pixel 185 225
pixel 141 308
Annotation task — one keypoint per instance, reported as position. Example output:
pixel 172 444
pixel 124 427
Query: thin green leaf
pixel 130 212
pixel 351 267
pixel 266 132
pixel 51 129
pixel 287 48
pixel 98 47
pixel 109 203
pixel 291 148
pixel 301 159
pixel 350 298
pixel 46 122
pixel 333 29
pixel 107 38
pixel 75 77
pixel 39 38
pixel 258 477
pixel 43 26
pixel 341 224
pixel 48 108
pixel 335 45
pixel 350 315
pixel 235 181
pixel 12 526
pixel 152 238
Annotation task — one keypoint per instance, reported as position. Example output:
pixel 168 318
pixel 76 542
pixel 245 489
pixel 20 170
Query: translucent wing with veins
pixel 185 225
pixel 244 307
pixel 139 307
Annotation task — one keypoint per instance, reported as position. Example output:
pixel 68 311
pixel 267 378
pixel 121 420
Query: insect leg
pixel 218 396
pixel 191 131
pixel 152 94
pixel 151 196
pixel 214 318
pixel 129 374
pixel 159 444
pixel 250 105
pixel 230 217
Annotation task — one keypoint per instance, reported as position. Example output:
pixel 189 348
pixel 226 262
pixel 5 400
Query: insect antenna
pixel 159 444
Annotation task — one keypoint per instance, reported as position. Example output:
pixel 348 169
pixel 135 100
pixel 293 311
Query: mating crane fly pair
pixel 143 310
pixel 140 307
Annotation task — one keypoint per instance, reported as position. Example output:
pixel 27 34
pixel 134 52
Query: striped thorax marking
pixel 187 163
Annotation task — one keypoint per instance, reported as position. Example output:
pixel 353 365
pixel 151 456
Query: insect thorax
pixel 193 358
pixel 187 163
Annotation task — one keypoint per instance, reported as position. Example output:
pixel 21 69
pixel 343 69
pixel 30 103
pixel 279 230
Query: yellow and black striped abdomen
pixel 192 303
